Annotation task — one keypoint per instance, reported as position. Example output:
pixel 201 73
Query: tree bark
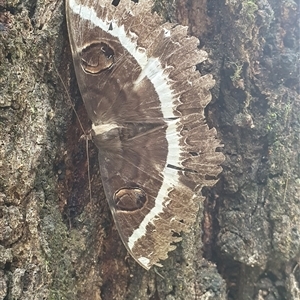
pixel 57 242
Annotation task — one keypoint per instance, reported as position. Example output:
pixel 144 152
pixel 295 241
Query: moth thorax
pixel 106 136
pixel 130 199
pixel 96 57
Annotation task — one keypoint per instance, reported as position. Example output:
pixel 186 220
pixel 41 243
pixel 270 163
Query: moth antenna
pixel 88 165
pixel 69 99
pixel 86 136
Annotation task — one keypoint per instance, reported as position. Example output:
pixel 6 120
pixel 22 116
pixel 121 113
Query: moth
pixel 146 101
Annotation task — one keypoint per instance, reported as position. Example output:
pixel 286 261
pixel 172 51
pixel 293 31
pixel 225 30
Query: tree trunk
pixel 57 242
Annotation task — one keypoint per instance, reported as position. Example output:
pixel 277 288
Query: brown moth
pixel 146 101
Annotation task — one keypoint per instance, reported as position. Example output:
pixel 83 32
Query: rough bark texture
pixel 56 243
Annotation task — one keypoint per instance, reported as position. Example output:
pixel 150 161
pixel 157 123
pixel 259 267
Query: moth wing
pixel 140 189
pixel 137 77
pixel 144 69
